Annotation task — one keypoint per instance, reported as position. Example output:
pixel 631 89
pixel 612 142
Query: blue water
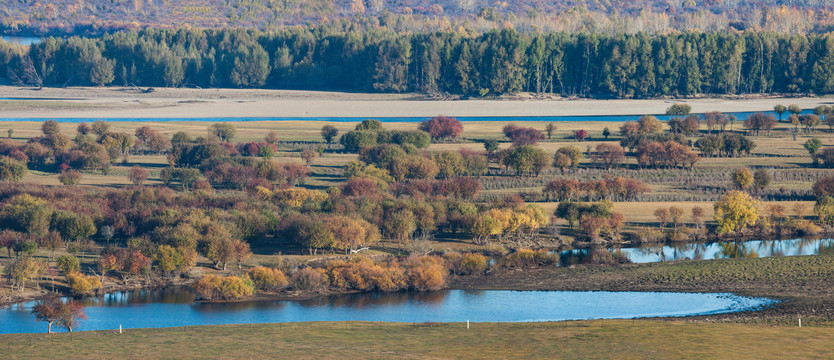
pixel 174 307
pixel 707 251
pixel 22 40
pixel 604 118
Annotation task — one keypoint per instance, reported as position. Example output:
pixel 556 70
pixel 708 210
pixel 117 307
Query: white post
pixel 800 322
pixel 467 324
pixel 120 328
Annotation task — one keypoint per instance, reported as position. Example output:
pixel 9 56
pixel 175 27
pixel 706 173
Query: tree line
pixel 380 60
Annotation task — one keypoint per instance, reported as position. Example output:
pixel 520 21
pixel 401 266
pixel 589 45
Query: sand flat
pixel 119 102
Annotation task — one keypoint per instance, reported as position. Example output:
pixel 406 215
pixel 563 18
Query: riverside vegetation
pixel 376 209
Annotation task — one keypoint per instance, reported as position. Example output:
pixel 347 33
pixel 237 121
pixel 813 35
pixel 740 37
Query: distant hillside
pixel 95 16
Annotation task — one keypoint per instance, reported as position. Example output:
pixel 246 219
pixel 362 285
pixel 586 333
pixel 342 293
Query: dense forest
pixel 95 17
pixel 376 59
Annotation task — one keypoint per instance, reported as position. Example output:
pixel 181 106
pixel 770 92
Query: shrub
pixel 425 272
pixel 213 287
pixel 466 264
pixel 81 284
pixel 309 279
pixel 268 279
pixel 70 177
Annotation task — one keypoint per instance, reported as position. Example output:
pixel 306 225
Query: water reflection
pixel 142 309
pixel 22 40
pixel 705 251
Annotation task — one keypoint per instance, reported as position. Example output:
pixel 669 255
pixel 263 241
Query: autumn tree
pixel 629 128
pixel 550 129
pixel 100 128
pixel 24 269
pixel 649 125
pixel 608 155
pixel 11 170
pixel 742 178
pixel 50 127
pixel 223 131
pixel 761 179
pixel 735 211
pixel 138 175
pixel 70 177
pixel 521 136
pixel 442 127
pixel 67 314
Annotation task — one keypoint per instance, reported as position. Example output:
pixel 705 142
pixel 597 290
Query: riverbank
pixel 125 102
pixel 802 283
pixel 640 339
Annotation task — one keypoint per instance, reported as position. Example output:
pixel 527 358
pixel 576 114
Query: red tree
pixel 442 127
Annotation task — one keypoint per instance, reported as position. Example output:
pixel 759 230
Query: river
pixel 707 251
pixel 600 118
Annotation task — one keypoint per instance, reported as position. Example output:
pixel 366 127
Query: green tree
pixel 329 132
pixel 11 170
pixel 761 179
pixel 779 110
pixel 68 264
pixel 527 160
pixel 223 131
pixel 573 153
pixel 679 110
pixel 813 146
pixel 28 214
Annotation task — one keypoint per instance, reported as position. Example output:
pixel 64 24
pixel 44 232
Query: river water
pixel 175 307
pixel 708 251
pixel 603 118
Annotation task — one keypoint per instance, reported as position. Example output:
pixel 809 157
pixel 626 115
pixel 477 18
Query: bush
pixel 82 285
pixel 213 287
pixel 425 272
pixel 268 279
pixel 466 264
pixel 70 177
pixel 309 279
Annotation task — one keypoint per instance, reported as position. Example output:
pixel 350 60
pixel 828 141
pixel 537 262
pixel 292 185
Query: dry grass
pixel 640 339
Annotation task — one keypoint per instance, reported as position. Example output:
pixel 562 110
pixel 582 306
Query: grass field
pixel 622 339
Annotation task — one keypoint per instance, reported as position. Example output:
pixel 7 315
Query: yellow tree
pixel 735 211
pixel 742 178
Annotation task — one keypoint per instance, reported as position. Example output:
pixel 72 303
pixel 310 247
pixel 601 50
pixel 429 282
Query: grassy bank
pixel 802 282
pixel 644 339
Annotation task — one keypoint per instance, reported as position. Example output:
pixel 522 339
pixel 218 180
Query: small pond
pixel 175 307
pixel 707 251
